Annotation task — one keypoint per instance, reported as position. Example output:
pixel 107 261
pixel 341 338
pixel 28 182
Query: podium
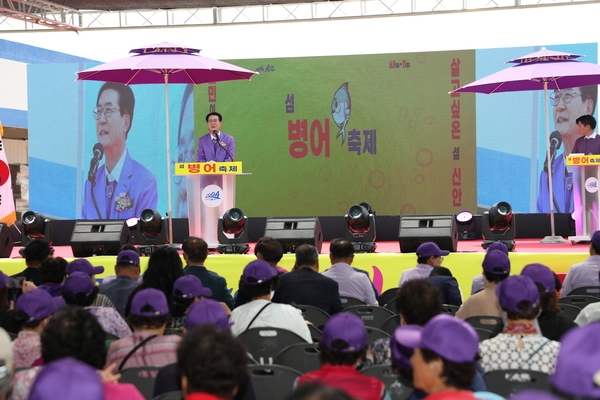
pixel 586 197
pixel 210 192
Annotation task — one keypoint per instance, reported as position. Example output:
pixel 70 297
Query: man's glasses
pixel 106 111
pixel 566 97
pixel 213 121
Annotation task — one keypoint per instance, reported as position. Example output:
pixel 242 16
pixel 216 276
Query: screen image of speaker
pixel 293 232
pixel 6 241
pixel 98 237
pixel 418 229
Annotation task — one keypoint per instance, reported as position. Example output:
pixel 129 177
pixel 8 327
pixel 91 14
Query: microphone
pixel 98 153
pixel 555 143
pixel 222 144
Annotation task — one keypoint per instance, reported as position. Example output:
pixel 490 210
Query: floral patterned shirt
pixel 111 321
pixel 27 348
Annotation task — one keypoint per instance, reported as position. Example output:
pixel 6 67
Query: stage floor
pixel 384 266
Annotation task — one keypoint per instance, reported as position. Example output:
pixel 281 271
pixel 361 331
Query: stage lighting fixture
pixel 152 231
pixel 235 224
pixel 465 224
pixel 499 225
pixel 360 228
pixel 35 226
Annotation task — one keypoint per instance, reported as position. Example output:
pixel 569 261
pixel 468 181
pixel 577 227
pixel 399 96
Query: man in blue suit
pixel 123 187
pixel 215 146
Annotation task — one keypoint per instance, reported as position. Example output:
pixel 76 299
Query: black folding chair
pixel 397 388
pixel 142 377
pixel 371 315
pixel 315 333
pixel 272 382
pixel 348 301
pixel 585 291
pixel 303 357
pixel 482 323
pixel 507 382
pixel 569 311
pixel 387 295
pixel 450 309
pixel 265 343
pixel 578 300
pixel 389 325
pixel 314 314
pixel 374 334
pixel 391 305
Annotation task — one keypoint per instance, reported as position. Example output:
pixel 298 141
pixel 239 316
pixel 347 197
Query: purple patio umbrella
pixel 542 70
pixel 165 63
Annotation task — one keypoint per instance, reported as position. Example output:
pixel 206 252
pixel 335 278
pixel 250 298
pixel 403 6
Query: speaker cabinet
pixel 418 229
pixel 98 237
pixel 292 232
pixel 6 241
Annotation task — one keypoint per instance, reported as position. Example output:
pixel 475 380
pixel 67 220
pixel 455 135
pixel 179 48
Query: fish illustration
pixel 341 109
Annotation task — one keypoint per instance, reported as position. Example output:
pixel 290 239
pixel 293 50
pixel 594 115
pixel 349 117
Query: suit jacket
pixel 206 148
pixel 213 281
pixel 136 186
pixel 307 287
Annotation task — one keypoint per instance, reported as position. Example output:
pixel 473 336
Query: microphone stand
pixel 223 145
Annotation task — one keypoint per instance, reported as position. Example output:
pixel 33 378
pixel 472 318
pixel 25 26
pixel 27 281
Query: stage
pixel 384 266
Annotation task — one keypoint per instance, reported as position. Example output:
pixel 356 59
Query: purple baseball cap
pixel 128 257
pixel 451 338
pixel 532 394
pixel 77 282
pixel 83 265
pixel 347 327
pixel 207 311
pixel 541 274
pixel 515 289
pixel 496 262
pixel 67 379
pixel 4 279
pixel 149 303
pixel 577 370
pixel 498 246
pixel 403 343
pixel 595 238
pixel 38 304
pixel 429 249
pixel 190 286
pixel 257 272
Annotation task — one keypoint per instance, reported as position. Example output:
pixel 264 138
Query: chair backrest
pixel 265 343
pixel 586 291
pixel 509 381
pixel 348 301
pixel 569 311
pixel 389 325
pixel 489 322
pixel 272 382
pixel 483 333
pixel 176 395
pixel 315 333
pixel 375 333
pixel 303 357
pixel 396 388
pixel 142 377
pixel 371 315
pixel 314 314
pixel 450 309
pixel 387 295
pixel 391 305
pixel 578 300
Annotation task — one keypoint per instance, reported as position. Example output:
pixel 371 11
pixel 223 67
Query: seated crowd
pixel 71 338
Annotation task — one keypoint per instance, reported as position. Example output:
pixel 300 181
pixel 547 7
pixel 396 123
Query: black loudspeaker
pixel 418 229
pixel 99 237
pixel 6 241
pixel 292 232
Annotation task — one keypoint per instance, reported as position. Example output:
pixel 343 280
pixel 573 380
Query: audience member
pixel 589 314
pixel 83 265
pixel 53 274
pixel 520 345
pixel 551 321
pixel 444 362
pixel 258 281
pixel 127 269
pixel 195 253
pixel 6 364
pixel 128 246
pixel 212 364
pixel 305 286
pixel 402 346
pixel 79 289
pixel 164 268
pixel 343 345
pixel 442 278
pixel 148 346
pixel 6 310
pixel 33 311
pixel 351 283
pixel 34 253
pixel 270 250
pixel 496 268
pixel 429 255
pixel 586 272
pixel 186 290
pixel 478 282
pixel 67 379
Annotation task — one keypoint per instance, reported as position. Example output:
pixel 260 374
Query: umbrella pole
pixel 553 238
pixel 169 202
